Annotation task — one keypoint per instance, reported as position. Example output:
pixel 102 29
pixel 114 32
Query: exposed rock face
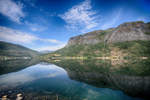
pixel 88 38
pixel 124 32
pixel 129 32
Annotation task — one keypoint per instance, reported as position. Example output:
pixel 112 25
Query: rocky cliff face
pixel 124 32
pixel 88 38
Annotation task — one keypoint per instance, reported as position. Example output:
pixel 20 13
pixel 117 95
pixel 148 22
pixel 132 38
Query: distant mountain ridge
pixel 15 50
pixel 125 32
pixel 45 51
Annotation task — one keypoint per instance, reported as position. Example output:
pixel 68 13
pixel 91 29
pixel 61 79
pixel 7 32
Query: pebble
pixel 18 95
pixel 19 98
pixel 4 97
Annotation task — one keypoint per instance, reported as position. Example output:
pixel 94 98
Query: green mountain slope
pixel 132 48
pixel 14 50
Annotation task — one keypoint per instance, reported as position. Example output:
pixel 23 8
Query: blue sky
pixel 48 24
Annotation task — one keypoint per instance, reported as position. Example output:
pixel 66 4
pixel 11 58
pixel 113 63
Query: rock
pixel 4 97
pixel 88 38
pixel 19 98
pixel 18 95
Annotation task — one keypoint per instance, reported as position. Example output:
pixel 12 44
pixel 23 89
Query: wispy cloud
pixel 12 10
pixel 12 35
pixel 30 2
pixel 51 48
pixel 51 41
pixel 80 16
pixel 35 27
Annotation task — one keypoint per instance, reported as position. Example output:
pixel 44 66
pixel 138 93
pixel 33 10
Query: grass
pixel 148 33
pixel 84 50
pixel 133 48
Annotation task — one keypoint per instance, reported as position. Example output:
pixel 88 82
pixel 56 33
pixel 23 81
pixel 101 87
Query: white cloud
pixel 51 40
pixel 35 27
pixel 51 48
pixel 30 2
pixel 12 10
pixel 81 16
pixel 11 35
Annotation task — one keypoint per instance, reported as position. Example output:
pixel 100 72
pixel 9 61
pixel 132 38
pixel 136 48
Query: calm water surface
pixel 49 79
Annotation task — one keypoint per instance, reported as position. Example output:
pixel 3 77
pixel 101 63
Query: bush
pixel 148 33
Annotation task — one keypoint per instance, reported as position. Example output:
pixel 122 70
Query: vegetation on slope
pixel 133 48
pixel 13 50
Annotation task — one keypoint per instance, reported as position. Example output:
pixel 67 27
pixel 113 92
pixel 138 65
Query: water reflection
pixel 46 79
pixel 95 73
pixel 14 65
pixel 30 74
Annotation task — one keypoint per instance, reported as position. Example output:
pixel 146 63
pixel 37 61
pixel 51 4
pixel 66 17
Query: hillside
pixel 132 39
pixel 118 58
pixel 125 32
pixel 14 50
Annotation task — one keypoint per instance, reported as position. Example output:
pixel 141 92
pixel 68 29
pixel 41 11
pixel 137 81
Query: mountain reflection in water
pixel 72 80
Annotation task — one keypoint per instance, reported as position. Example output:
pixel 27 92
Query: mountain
pixel 117 58
pixel 131 38
pixel 124 32
pixel 14 50
pixel 45 51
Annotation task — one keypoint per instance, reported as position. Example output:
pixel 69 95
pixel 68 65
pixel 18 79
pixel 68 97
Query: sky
pixel 48 24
